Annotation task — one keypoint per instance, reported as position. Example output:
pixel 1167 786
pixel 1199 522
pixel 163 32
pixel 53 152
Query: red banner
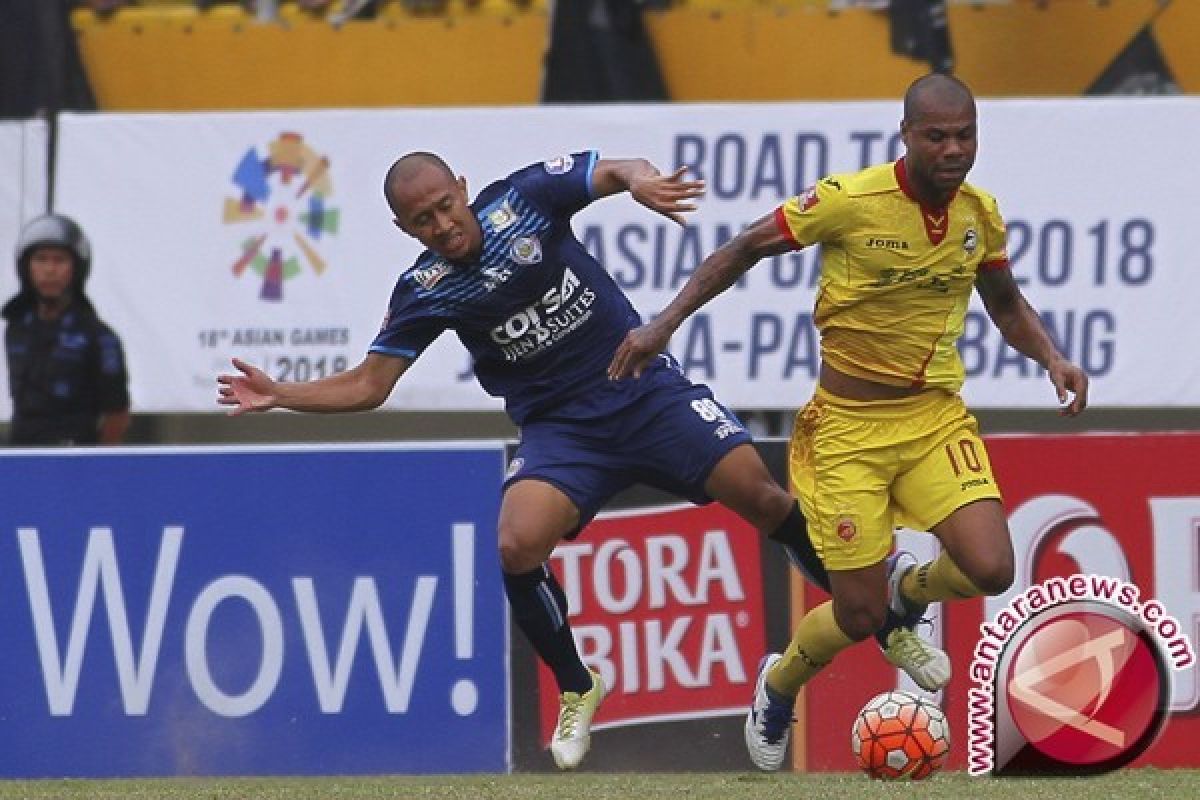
pixel 667 606
pixel 1125 505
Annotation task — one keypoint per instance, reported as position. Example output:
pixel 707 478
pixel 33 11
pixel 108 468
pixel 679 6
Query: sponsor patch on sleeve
pixel 808 199
pixel 557 166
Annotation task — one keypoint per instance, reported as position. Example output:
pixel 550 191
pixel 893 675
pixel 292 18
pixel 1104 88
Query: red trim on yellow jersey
pixel 936 225
pixel 919 379
pixel 782 223
pixel 999 263
pixel 937 220
pixel 906 187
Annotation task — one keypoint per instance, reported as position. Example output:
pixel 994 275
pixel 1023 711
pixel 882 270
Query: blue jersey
pixel 540 317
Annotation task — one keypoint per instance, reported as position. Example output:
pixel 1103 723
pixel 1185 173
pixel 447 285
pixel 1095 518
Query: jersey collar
pixel 937 220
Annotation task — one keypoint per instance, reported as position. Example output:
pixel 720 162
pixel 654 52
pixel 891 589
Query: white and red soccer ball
pixel 899 736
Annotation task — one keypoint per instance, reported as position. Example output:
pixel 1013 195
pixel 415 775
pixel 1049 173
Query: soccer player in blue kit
pixel 541 319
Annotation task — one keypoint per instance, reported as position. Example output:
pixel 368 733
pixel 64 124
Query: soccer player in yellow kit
pixel 886 439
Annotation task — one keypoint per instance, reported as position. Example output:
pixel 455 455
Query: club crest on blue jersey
pixel 502 217
pixel 557 166
pixel 526 250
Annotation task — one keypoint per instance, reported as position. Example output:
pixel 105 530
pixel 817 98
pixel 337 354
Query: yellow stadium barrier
pixel 170 56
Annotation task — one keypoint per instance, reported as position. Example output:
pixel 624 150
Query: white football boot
pixel 572 735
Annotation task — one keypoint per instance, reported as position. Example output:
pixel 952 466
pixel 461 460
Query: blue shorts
pixel 671 438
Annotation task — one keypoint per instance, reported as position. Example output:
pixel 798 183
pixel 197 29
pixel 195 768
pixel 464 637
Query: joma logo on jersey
pixel 883 243
pixel 529 320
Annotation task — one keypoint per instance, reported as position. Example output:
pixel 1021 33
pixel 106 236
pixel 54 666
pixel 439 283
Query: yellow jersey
pixel 896 276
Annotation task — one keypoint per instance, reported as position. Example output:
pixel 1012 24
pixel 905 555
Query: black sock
pixel 539 607
pixel 793 535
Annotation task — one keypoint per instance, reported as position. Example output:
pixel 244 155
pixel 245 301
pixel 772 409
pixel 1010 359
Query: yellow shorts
pixel 860 469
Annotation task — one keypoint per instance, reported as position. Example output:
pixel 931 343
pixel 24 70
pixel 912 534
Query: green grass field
pixel 1173 784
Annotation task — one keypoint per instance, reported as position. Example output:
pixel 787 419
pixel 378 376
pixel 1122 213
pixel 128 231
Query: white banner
pixel 266 235
pixel 23 184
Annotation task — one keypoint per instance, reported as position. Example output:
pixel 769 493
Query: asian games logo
pixel 283 201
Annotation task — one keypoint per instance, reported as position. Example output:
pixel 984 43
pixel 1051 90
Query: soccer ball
pixel 898 736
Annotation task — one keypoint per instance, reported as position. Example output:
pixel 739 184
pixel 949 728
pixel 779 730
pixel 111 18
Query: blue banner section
pixel 252 612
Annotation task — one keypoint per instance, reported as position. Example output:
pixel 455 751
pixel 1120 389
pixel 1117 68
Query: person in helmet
pixel 66 368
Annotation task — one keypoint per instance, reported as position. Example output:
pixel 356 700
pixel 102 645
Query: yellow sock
pixel 817 640
pixel 940 579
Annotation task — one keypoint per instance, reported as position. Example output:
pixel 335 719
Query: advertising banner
pixel 667 606
pixel 266 235
pixel 252 612
pixel 1125 508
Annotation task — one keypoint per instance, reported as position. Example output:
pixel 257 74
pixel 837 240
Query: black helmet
pixel 55 230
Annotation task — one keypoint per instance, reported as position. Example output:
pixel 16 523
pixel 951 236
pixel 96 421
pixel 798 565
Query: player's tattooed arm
pixel 714 275
pixel 670 195
pixel 1023 330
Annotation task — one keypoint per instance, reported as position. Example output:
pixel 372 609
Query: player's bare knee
pixel 994 578
pixel 778 503
pixel 765 505
pixel 517 557
pixel 859 621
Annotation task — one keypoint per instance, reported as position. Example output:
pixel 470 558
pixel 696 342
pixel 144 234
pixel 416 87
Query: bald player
pixel 542 319
pixel 886 439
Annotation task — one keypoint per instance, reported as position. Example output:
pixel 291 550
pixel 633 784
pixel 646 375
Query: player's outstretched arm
pixel 359 389
pixel 1022 328
pixel 669 195
pixel 714 275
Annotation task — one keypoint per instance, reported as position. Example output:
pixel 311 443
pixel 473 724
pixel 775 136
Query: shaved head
pixel 938 93
pixel 408 167
pixel 432 206
pixel 940 137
